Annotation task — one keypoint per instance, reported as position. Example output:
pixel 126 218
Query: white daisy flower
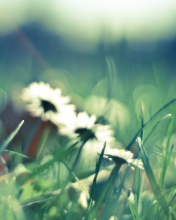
pixel 85 128
pixel 46 102
pixel 122 156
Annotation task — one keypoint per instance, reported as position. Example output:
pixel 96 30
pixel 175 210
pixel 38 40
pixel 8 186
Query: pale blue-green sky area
pixel 90 21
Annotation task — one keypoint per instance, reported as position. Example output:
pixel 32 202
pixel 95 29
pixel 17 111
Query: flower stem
pixel 78 155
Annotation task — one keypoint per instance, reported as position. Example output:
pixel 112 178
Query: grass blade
pixel 97 169
pixel 59 156
pixel 10 137
pixel 107 189
pixel 76 178
pixel 167 153
pixel 137 187
pixel 171 195
pixel 14 153
pixel 152 130
pixel 156 189
pixel 133 210
pixel 154 127
pixel 144 125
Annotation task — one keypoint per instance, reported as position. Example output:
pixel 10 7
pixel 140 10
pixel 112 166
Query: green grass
pixel 51 189
pixel 53 186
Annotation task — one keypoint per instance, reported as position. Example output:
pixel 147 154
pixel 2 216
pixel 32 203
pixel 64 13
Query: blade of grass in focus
pixel 5 143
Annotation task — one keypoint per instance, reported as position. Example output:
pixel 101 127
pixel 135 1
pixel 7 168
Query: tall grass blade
pixel 155 114
pixel 133 210
pixel 171 195
pixel 152 130
pixel 5 143
pixel 142 120
pixel 97 169
pixel 168 116
pixel 167 153
pixel 137 187
pixel 156 189
pixel 78 155
pixel 107 189
pixel 76 178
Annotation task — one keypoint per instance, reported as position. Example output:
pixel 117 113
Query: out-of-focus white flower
pixel 84 127
pixel 46 102
pixel 122 156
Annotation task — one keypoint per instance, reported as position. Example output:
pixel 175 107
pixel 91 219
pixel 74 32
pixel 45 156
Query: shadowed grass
pixel 60 155
pixel 97 169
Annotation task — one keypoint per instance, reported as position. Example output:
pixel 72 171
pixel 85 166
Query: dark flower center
pixel 118 160
pixel 85 134
pixel 48 106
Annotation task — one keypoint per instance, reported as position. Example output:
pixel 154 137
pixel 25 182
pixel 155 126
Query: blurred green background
pixel 116 49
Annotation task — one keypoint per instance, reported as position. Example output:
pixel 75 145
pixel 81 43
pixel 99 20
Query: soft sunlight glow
pixel 13 14
pixel 113 20
pixel 94 21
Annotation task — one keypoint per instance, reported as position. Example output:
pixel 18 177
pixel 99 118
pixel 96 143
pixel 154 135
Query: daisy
pixel 122 156
pixel 46 102
pixel 83 126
